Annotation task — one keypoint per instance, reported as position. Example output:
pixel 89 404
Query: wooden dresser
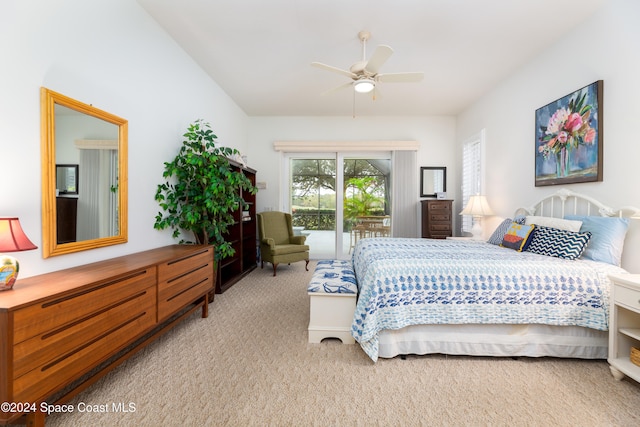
pixel 62 331
pixel 437 219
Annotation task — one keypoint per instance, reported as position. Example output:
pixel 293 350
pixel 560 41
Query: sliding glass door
pixel 366 209
pixel 312 189
pixel 338 198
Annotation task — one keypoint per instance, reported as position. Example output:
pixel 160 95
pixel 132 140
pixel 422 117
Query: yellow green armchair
pixel 277 242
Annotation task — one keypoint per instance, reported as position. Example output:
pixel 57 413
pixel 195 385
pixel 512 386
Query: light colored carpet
pixel 249 364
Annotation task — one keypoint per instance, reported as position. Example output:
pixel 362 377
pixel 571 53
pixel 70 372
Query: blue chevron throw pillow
pixel 558 243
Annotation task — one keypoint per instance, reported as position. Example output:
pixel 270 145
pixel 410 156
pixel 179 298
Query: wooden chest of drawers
pixel 58 327
pixel 437 219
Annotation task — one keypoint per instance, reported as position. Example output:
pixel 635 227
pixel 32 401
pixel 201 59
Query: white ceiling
pixel 260 51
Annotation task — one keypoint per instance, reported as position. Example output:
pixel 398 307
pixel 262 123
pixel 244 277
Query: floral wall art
pixel 569 138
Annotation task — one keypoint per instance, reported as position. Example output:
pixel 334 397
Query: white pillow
pixel 562 224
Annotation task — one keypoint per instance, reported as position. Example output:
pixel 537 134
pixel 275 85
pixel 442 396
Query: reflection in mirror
pixel 81 143
pixel 66 179
pixel 432 180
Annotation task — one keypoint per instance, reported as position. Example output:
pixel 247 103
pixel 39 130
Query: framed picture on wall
pixel 569 138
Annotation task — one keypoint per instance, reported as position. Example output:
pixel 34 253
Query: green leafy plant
pixel 363 196
pixel 201 191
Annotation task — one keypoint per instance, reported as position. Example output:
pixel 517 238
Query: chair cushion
pixel 289 249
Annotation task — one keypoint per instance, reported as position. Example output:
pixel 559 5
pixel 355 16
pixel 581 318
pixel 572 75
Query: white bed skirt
pixel 496 340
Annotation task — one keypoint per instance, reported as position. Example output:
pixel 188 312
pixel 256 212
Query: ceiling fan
pixel 364 74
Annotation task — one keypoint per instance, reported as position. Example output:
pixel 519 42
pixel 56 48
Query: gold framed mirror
pixel 74 133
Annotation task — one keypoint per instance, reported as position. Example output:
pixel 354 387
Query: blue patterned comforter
pixel 404 282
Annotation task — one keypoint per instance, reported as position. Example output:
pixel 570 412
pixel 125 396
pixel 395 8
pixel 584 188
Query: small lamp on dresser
pixel 478 208
pixel 12 239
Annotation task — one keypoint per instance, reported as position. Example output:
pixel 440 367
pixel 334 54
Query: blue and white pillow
pixel 607 239
pixel 558 243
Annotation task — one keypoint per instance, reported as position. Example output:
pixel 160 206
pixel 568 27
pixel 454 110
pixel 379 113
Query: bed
pixel 464 297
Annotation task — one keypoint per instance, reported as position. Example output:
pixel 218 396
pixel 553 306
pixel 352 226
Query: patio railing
pixel 323 219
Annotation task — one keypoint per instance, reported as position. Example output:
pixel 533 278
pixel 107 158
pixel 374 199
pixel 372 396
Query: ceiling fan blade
pixel 335 89
pixel 334 69
pixel 379 57
pixel 400 77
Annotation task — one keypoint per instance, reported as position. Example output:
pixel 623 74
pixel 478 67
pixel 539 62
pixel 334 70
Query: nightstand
pixel 624 325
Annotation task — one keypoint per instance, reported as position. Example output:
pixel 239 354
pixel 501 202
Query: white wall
pixel 604 48
pixel 436 136
pixel 111 54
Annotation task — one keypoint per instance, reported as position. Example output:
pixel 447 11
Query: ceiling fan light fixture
pixel 364 85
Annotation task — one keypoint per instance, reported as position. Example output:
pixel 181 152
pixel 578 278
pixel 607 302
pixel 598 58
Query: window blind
pixel 472 173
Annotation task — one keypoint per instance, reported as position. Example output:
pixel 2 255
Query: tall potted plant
pixel 201 191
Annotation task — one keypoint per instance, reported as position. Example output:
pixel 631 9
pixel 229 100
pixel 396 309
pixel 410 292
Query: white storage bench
pixel 332 296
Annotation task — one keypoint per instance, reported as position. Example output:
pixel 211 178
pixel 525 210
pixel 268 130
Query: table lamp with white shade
pixel 478 208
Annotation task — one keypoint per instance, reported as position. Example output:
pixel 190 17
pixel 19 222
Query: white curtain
pixel 94 219
pixel 114 208
pixel 404 182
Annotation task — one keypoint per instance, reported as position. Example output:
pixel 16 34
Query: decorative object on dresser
pixel 624 326
pixel 12 239
pixel 212 209
pixel 436 219
pixel 62 331
pixel 477 207
pixel 569 138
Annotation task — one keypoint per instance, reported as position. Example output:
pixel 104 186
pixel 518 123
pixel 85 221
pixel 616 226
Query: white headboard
pixel 566 202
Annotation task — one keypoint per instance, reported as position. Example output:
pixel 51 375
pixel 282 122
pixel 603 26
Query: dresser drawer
pixel 68 362
pixel 440 217
pixel 440 206
pixel 439 235
pixel 627 296
pixel 60 312
pixel 46 348
pixel 434 228
pixel 183 281
pixel 171 270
